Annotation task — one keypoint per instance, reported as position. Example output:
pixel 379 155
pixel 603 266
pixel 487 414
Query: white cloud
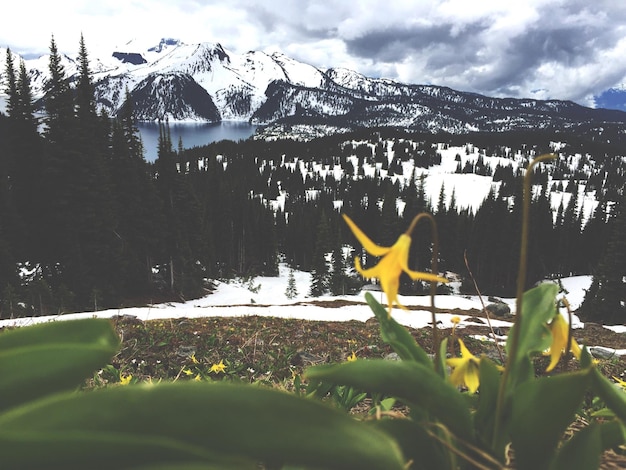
pixel 568 49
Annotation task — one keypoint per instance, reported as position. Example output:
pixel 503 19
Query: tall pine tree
pixel 605 301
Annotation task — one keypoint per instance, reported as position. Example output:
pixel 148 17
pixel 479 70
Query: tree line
pixel 87 223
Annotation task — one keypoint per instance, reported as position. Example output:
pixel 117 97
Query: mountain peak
pixel 164 43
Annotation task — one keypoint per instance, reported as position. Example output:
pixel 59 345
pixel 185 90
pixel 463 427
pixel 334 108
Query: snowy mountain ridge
pixel 207 82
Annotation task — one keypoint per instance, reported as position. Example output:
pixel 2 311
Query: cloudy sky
pixel 562 49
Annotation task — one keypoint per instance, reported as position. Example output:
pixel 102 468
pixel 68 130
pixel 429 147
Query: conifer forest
pixel 87 223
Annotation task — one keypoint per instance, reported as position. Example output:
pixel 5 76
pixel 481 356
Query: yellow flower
pixel 465 369
pixel 187 372
pixel 217 368
pixel 352 357
pixel 193 358
pixel 560 331
pixel 455 320
pixel 394 261
pixel 125 379
pixel 197 378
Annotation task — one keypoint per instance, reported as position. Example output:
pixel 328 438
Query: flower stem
pixel 521 283
pixel 434 269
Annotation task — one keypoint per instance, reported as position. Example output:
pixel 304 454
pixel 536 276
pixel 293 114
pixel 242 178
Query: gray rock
pixel 600 352
pixel 186 351
pixel 499 309
pixel 392 357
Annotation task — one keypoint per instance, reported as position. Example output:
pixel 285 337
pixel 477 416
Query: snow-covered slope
pixel 279 92
pixel 236 83
pixel 266 296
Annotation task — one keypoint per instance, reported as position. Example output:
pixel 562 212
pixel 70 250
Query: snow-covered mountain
pixel 206 82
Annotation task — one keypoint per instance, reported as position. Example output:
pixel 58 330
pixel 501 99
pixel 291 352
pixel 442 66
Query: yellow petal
pixel 456 377
pixel 415 275
pixel 472 377
pixel 575 348
pixel 456 362
pixel 465 353
pixel 370 273
pixel 560 331
pixel 620 382
pixel 368 244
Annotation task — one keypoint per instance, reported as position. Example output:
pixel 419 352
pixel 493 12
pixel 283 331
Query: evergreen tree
pixel 182 237
pixel 338 282
pixel 10 87
pixel 606 299
pixel 21 164
pixel 420 253
pixel 137 209
pixel 319 268
pixel 292 291
pixel 389 223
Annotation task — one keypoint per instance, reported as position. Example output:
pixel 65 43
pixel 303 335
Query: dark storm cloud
pixel 486 57
pixel 396 43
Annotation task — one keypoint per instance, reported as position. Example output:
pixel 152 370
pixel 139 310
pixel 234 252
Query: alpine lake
pixel 193 134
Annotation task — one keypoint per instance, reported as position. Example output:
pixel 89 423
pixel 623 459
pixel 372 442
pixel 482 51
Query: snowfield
pixel 266 296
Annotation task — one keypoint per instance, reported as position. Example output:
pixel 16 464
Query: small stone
pixel 303 358
pixel 600 352
pixel 499 309
pixel 392 357
pixel 186 351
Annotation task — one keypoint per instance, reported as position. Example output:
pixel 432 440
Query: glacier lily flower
pixel 394 261
pixel 560 332
pixel 217 368
pixel 125 379
pixel 352 357
pixel 465 369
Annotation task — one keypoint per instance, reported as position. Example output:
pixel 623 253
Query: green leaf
pixel 43 359
pixel 613 434
pixel 230 420
pixel 100 450
pixel 541 411
pixel 409 381
pixel 582 451
pixel 396 335
pixel 538 308
pixel 96 331
pixel 614 398
pixel 484 418
pixel 416 444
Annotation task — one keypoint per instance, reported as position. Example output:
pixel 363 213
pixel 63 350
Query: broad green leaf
pixel 538 308
pixel 43 359
pixel 409 381
pixel 417 445
pixel 77 450
pixel 197 466
pixel 614 398
pixel 396 335
pixel 484 418
pixel 233 420
pixel 613 434
pixel 95 331
pixel 582 451
pixel 541 411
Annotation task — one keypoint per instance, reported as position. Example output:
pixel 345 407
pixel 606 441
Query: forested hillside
pixel 87 223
